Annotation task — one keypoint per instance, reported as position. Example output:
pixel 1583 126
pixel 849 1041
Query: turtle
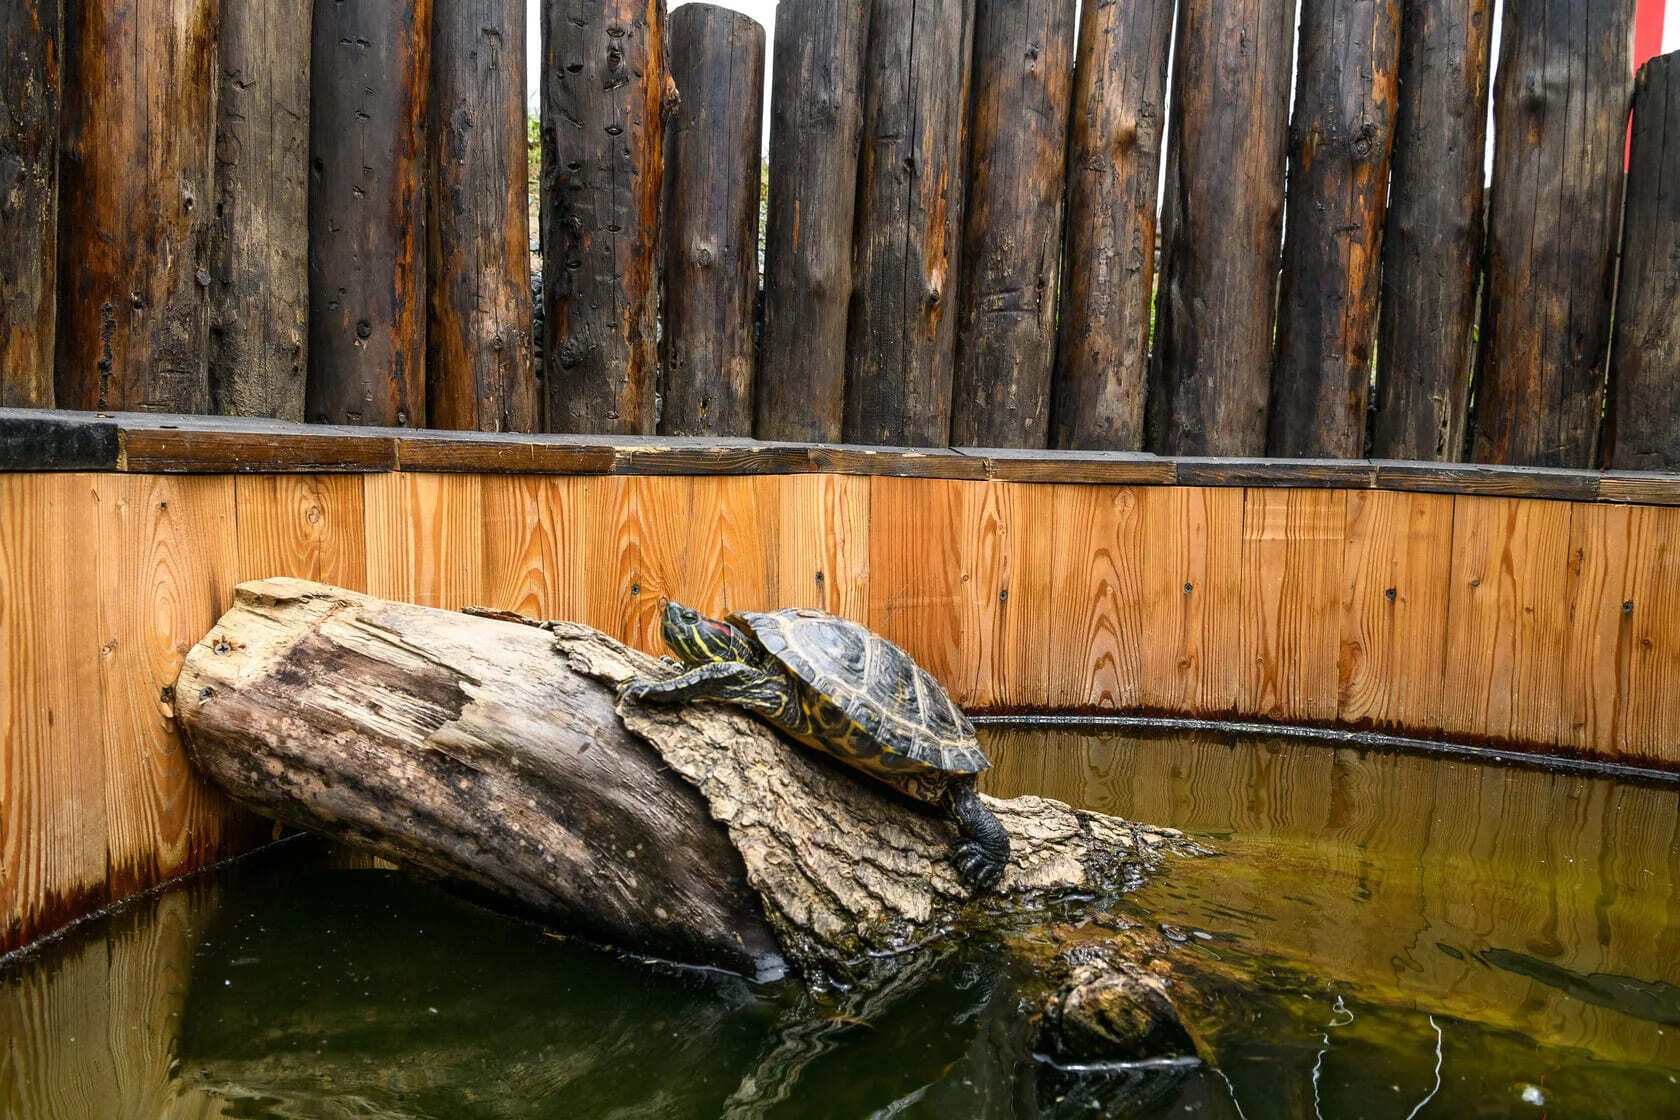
pixel 839 687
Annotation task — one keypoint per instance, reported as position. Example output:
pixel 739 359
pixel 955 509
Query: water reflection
pixel 1420 934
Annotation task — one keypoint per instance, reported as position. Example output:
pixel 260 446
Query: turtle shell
pixel 869 704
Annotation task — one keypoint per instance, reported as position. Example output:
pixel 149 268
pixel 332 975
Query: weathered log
pixel 1645 353
pixel 711 224
pixel 1012 223
pixel 1560 130
pixel 367 244
pixel 494 753
pixel 1221 228
pixel 606 93
pixel 32 43
pixel 1338 190
pixel 479 372
pixel 134 239
pixel 1108 259
pixel 259 272
pixel 1432 240
pixel 900 349
pixel 816 114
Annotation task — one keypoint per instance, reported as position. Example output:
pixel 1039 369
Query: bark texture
pixel 606 93
pixel 1012 237
pixel 134 245
pixel 367 243
pixel 31 36
pixel 816 114
pixel 1221 224
pixel 1432 240
pixel 489 751
pixel 479 372
pixel 1560 130
pixel 1645 355
pixel 1339 150
pixel 1108 270
pixel 901 336
pixel 259 275
pixel 711 232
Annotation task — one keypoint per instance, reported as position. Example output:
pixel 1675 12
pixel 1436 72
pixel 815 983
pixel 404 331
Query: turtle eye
pixel 690 616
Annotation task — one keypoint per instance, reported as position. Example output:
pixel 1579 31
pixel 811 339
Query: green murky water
pixel 1426 938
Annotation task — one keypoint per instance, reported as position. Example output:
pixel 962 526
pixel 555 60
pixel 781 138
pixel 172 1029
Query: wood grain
pixel 31 33
pixel 310 526
pixel 958 578
pixel 824 544
pixel 52 755
pixel 1507 621
pixel 1291 586
pixel 1098 609
pixel 425 541
pixel 1396 568
pixel 533 544
pixel 1192 590
pixel 167 559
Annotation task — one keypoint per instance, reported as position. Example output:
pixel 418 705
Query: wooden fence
pixel 215 206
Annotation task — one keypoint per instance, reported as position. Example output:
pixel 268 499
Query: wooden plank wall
pixel 1548 625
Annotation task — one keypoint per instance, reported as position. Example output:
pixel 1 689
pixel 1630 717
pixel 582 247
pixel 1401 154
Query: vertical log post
pixel 816 113
pixel 134 239
pixel 1221 226
pixel 1560 130
pixel 1108 274
pixel 1339 150
pixel 1012 223
pixel 900 337
pixel 1432 240
pixel 711 234
pixel 367 246
pixel 605 96
pixel 259 272
pixel 30 37
pixel 479 373
pixel 1645 355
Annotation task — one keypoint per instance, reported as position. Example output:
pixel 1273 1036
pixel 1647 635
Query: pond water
pixel 1424 937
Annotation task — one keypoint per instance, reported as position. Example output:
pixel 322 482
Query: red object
pixel 1647 44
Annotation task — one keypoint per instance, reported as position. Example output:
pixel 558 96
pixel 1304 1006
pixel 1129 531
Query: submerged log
pixel 496 754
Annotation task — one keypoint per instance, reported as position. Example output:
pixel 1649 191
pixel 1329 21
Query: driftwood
pixel 496 754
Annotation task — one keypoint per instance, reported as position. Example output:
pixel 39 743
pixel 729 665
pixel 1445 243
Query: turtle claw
pixel 979 870
pixel 634 689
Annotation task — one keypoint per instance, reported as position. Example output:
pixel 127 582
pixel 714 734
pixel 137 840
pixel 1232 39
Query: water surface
pixel 1424 938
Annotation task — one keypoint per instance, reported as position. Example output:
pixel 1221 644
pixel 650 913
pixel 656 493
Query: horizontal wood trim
pixel 55 440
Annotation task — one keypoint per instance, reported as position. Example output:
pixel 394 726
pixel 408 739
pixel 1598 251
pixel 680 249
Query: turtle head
pixel 696 639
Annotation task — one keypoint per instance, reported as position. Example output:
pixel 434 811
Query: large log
pixel 30 36
pixel 1560 132
pixel 816 114
pixel 495 754
pixel 1432 240
pixel 259 272
pixel 1108 259
pixel 1645 354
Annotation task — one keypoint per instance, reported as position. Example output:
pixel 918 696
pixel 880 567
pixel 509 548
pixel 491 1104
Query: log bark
pixel 900 338
pixel 1560 129
pixel 1221 228
pixel 816 117
pixel 1012 223
pixel 711 233
pixel 1108 273
pixel 31 37
pixel 1432 240
pixel 367 243
pixel 1645 353
pixel 259 275
pixel 605 96
pixel 491 752
pixel 1339 150
pixel 134 247
pixel 479 372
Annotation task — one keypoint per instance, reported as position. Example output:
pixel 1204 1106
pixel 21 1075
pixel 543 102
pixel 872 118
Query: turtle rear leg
pixel 983 852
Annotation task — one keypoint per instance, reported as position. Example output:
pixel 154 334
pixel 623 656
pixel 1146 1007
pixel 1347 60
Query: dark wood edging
pixel 50 440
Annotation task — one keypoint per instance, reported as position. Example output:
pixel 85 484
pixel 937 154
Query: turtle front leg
pixel 983 852
pixel 770 694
